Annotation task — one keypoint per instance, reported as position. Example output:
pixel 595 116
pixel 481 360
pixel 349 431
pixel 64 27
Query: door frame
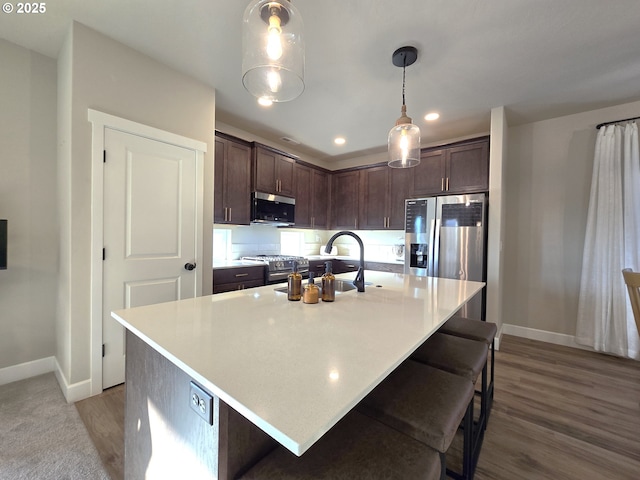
pixel 99 123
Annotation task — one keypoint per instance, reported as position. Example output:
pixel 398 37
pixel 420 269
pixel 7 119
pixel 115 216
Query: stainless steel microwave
pixel 272 209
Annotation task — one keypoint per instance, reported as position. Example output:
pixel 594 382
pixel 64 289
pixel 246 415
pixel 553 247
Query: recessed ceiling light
pixel 339 140
pixel 432 116
pixel 265 102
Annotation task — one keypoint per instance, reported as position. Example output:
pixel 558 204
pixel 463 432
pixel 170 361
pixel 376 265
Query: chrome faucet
pixel 359 280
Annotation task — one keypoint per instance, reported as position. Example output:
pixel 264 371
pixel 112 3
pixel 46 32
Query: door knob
pixel 190 266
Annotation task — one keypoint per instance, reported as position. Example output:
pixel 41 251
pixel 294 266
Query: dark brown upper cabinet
pixel 460 168
pixel 232 181
pixel 345 195
pixel 312 197
pixel 273 171
pixel 383 191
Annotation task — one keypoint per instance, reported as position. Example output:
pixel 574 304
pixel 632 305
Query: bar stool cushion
pixel 457 355
pixel 356 447
pixel 423 402
pixel 471 329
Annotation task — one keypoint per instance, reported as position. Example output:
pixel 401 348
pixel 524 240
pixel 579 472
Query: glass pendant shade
pixel 404 143
pixel 404 138
pixel 272 51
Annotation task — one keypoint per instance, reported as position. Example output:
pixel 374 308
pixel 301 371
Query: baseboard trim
pixel 542 336
pixel 72 392
pixel 26 370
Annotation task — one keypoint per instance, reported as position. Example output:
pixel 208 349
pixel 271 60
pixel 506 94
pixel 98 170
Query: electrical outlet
pixel 201 402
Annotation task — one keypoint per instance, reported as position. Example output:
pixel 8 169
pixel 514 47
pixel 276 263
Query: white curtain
pixel 612 242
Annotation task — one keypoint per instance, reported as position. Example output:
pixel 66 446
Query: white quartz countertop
pixel 295 369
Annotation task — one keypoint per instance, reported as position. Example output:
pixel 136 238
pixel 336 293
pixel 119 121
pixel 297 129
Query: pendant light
pixel 404 137
pixel 272 51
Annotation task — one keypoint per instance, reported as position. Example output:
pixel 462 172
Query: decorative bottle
pixel 311 291
pixel 294 284
pixel 328 283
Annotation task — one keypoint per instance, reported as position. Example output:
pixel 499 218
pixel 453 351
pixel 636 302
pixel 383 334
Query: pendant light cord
pixel 404 68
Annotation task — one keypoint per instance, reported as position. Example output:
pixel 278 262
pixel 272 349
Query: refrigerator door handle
pixel 434 247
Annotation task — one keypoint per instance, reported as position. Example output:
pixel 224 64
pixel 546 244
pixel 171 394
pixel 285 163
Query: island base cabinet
pixel 165 438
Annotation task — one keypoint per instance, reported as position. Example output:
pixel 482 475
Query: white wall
pixel 28 201
pixel 548 178
pixel 99 73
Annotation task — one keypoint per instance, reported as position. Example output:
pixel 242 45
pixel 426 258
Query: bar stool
pixel 357 447
pixel 427 404
pixel 480 331
pixel 463 357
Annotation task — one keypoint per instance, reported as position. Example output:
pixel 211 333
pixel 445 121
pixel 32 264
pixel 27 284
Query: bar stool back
pixel 427 404
pixel 356 447
pixel 480 331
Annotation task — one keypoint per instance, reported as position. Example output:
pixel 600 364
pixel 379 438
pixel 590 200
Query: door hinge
pixel 104 156
pixel 103 350
pixel 104 253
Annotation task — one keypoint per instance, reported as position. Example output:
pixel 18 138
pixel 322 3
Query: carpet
pixel 43 437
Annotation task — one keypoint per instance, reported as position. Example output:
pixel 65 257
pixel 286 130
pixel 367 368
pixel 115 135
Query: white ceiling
pixel 538 58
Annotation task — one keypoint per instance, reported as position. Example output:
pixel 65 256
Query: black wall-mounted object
pixel 3 244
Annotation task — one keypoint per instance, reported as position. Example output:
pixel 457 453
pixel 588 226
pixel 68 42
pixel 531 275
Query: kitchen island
pixel 290 369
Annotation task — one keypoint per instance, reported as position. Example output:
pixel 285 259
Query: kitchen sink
pixel 341 286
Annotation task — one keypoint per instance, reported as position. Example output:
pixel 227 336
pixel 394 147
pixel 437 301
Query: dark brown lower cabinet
pixel 338 266
pixel 238 278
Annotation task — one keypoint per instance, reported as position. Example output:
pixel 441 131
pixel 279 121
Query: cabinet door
pixel 232 178
pixel 344 266
pixel 285 175
pixel 468 168
pixel 319 199
pixel 374 193
pixel 400 183
pixel 429 175
pixel 317 267
pixel 264 178
pixel 344 196
pixel 219 208
pixel 238 184
pixel 303 196
pixel 228 279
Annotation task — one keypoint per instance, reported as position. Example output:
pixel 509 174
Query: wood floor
pixel 559 413
pixel 103 415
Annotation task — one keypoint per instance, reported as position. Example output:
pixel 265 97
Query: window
pixel 292 243
pixel 221 244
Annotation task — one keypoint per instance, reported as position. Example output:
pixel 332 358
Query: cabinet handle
pixel 229 213
pixel 442 184
pixel 242 274
pixel 225 214
pixel 447 184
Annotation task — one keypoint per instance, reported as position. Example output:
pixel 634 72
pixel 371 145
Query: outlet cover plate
pixel 201 402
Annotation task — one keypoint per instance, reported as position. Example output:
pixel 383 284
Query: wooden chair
pixel 632 279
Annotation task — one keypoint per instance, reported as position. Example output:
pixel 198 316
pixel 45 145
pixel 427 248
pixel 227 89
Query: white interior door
pixel 150 233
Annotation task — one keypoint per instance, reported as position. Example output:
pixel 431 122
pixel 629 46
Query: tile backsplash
pixel 239 241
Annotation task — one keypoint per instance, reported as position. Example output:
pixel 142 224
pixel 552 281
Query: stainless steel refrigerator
pixel 447 237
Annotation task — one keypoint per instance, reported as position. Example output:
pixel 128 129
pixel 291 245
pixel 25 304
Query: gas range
pixel 279 266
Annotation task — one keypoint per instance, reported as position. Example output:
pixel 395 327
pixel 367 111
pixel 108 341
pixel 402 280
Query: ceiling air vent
pixel 290 140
